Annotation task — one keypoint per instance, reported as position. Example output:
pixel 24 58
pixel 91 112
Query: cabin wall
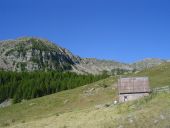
pixel 133 84
pixel 122 97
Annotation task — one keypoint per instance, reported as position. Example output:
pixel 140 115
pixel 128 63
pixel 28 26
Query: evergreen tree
pixel 27 85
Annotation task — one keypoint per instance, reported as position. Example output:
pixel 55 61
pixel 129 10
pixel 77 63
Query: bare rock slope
pixel 30 54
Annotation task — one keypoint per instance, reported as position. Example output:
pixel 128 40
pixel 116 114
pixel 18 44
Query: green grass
pixel 76 108
pixel 158 76
pixel 143 113
pixel 77 99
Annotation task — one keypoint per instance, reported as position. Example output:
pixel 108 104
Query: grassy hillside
pixel 71 100
pixel 145 113
pixel 159 75
pixel 29 85
pixel 86 106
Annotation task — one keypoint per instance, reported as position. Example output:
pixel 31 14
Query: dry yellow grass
pixel 144 113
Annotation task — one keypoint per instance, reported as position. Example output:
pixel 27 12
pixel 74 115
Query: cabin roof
pixel 133 85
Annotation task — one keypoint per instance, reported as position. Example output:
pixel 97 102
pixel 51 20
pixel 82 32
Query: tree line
pixel 28 85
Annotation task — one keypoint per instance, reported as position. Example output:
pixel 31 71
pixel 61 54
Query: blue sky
pixel 122 30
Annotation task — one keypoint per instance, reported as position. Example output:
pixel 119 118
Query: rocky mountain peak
pixel 31 53
pixel 28 54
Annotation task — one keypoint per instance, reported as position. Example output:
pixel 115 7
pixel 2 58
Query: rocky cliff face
pixel 30 54
pixel 95 66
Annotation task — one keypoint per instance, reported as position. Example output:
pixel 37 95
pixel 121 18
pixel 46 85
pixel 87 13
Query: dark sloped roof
pixel 133 85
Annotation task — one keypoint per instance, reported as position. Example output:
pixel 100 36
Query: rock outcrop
pixel 31 54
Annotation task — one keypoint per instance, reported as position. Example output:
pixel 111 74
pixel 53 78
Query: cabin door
pixel 125 98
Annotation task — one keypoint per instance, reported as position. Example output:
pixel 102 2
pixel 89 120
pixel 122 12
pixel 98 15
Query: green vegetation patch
pixel 158 76
pixel 59 103
pixel 42 45
pixel 28 85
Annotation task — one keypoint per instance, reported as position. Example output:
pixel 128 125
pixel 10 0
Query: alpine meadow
pixel 84 64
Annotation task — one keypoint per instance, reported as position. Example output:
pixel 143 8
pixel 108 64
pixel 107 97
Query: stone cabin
pixel 133 88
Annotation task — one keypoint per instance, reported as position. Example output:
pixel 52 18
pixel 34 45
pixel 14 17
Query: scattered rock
pixel 156 121
pixel 162 117
pixel 130 120
pixel 89 92
pixel 115 102
pixel 133 107
pixel 66 101
pixel 92 89
pixel 99 106
pixel 6 103
pixel 120 126
pixel 31 104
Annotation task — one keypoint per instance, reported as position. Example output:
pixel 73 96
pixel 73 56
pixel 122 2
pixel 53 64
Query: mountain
pixel 95 66
pixel 147 63
pixel 31 54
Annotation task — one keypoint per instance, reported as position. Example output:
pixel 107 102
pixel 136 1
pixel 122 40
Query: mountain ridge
pixel 32 53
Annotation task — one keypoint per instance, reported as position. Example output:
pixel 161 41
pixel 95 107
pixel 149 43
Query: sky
pixel 121 30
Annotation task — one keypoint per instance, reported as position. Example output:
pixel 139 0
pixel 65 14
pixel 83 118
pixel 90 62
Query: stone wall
pixel 129 97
